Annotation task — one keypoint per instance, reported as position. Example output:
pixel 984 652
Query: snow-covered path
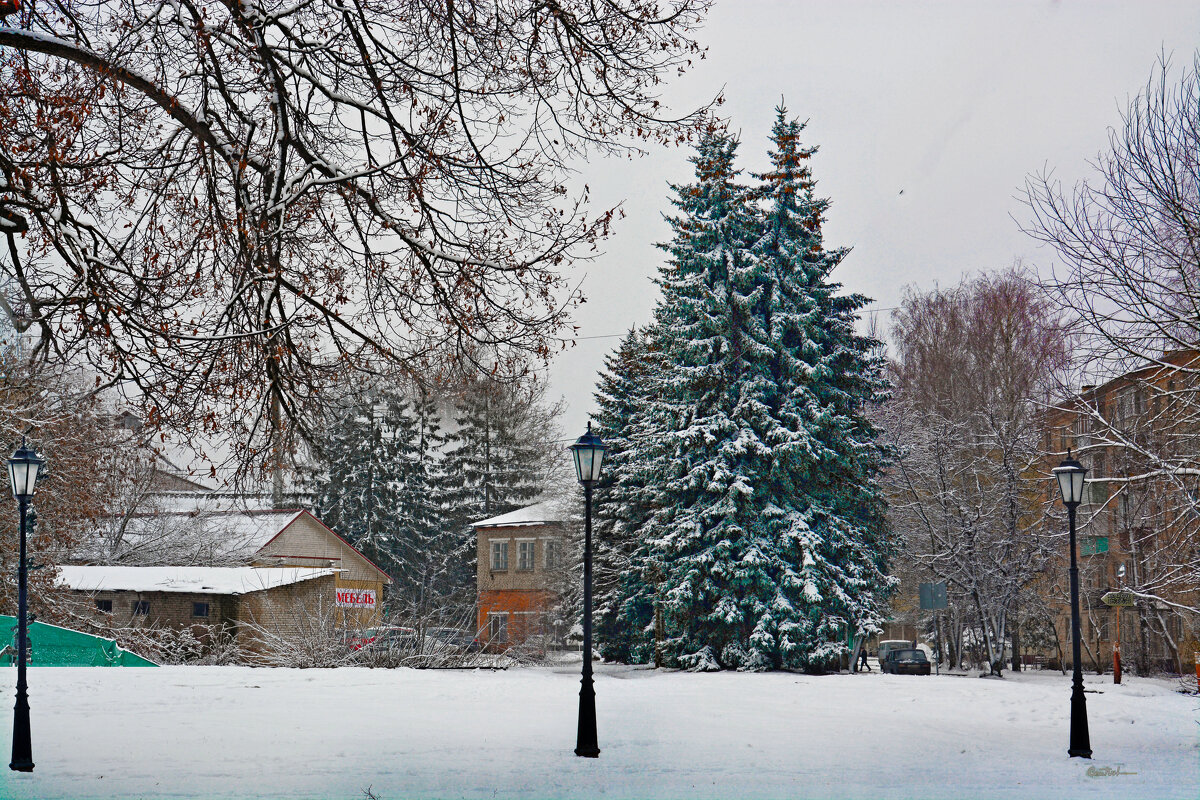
pixel 228 732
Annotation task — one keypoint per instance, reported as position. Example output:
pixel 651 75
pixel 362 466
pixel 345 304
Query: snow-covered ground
pixel 231 732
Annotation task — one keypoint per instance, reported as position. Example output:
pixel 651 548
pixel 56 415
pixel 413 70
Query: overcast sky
pixel 929 117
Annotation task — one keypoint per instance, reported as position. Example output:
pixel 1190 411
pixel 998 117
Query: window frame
pixel 104 606
pixel 207 609
pixel 497 627
pixel 499 548
pixel 140 608
pixel 526 546
pixel 550 553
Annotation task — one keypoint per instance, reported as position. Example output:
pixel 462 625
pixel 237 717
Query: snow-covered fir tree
pixel 495 458
pixel 498 458
pixel 624 606
pixel 830 376
pixel 762 542
pixel 378 483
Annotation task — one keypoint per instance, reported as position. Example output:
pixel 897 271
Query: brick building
pixel 266 567
pixel 179 597
pixel 1137 526
pixel 519 566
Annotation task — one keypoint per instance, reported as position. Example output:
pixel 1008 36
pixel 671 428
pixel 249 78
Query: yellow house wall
pixel 307 543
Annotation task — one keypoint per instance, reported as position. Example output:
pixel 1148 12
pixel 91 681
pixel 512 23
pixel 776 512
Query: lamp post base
pixel 24 766
pixel 593 753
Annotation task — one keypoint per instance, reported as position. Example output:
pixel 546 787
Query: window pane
pixel 498 627
pixel 499 555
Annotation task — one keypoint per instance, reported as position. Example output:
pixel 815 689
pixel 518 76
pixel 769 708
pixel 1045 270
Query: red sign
pixel 355 598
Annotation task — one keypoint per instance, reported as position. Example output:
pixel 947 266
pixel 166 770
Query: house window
pixel 525 555
pixel 200 610
pixel 141 607
pixel 104 605
pixel 499 556
pixel 550 549
pixel 497 627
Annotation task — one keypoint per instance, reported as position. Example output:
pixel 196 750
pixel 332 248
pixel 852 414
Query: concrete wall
pixel 298 611
pixel 515 579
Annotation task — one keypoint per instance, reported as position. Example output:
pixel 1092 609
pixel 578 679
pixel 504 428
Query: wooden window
pixel 550 553
pixel 525 555
pixel 200 610
pixel 499 556
pixel 497 627
pixel 104 605
pixel 141 607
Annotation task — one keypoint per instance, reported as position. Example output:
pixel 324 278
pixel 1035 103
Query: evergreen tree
pixel 834 376
pixel 378 485
pixel 762 533
pixel 624 607
pixel 498 458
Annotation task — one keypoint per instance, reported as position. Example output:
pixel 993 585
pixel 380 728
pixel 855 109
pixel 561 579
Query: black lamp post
pixel 588 453
pixel 1070 474
pixel 23 470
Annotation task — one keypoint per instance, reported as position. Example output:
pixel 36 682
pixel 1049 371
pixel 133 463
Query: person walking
pixel 863 660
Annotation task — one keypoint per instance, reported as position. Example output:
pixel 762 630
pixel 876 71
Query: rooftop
pixel 541 513
pixel 197 580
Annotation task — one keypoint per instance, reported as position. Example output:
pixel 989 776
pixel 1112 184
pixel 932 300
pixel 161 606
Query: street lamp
pixel 23 470
pixel 1070 474
pixel 588 453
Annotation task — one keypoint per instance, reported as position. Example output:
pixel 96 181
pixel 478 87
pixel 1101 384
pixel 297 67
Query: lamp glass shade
pixel 23 470
pixel 588 452
pixel 1070 474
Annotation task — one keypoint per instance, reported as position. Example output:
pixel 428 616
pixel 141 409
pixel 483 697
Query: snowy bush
pixel 202 645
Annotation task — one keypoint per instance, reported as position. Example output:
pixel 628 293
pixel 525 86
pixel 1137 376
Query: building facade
pixel 519 569
pixel 274 570
pixel 1138 529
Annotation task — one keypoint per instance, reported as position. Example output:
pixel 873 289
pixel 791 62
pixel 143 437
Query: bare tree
pixel 89 459
pixel 225 206
pixel 970 364
pixel 1128 243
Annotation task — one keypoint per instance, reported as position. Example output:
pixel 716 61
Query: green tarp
pixel 52 646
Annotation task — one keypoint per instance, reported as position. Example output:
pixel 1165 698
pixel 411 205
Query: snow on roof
pixel 536 514
pixel 199 580
pixel 212 536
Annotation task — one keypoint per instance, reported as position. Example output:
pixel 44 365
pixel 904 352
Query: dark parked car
pixel 452 639
pixel 906 662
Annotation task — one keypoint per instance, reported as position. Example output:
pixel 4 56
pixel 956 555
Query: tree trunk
pixel 1016 642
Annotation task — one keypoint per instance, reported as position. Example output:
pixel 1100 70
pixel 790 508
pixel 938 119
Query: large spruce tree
pixel 755 528
pixel 378 483
pixel 624 604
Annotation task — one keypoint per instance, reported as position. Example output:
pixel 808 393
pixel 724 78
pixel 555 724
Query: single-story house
pixel 180 568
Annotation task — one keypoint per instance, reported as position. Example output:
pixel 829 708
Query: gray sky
pixel 953 103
